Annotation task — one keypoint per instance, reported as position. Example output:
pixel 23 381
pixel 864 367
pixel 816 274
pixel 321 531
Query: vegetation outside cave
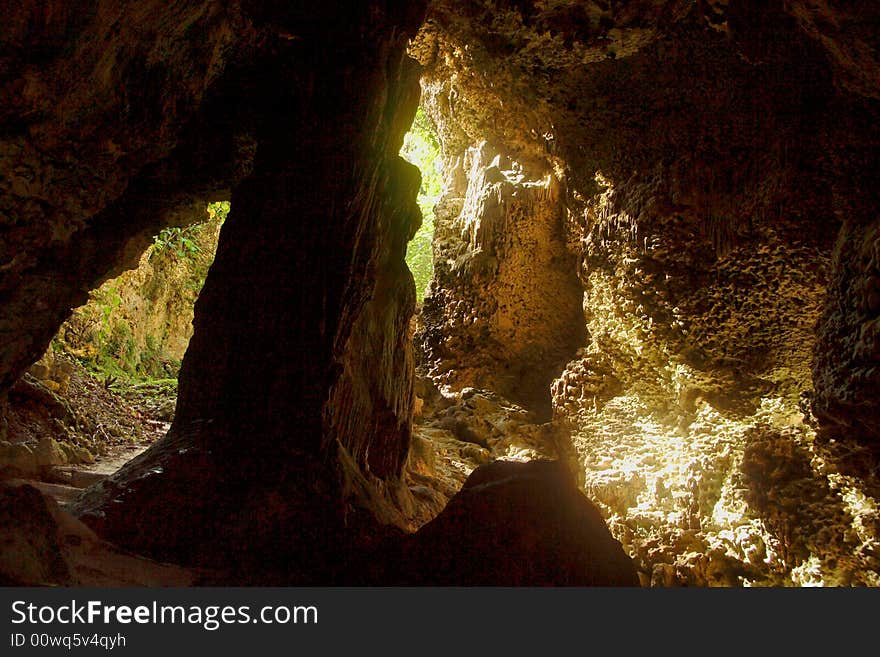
pixel 134 329
pixel 108 383
pixel 421 147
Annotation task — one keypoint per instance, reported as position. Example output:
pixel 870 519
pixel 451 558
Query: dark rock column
pixel 296 391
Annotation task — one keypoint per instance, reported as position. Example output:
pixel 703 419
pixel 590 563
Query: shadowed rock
pixel 517 524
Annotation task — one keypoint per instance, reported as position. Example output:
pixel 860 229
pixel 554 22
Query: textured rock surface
pixel 101 146
pixel 670 177
pixel 119 119
pixel 499 247
pixel 706 156
pixel 847 364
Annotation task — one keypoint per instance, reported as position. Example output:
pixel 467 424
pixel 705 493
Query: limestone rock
pixel 82 455
pixel 847 364
pixel 48 453
pixel 725 277
pixel 490 326
pixel 76 453
pixel 659 206
pixel 505 429
pixel 471 429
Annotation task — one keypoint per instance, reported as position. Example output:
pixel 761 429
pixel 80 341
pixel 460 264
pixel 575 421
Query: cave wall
pixel 284 462
pixel 504 309
pixel 847 353
pixel 708 156
pixel 680 133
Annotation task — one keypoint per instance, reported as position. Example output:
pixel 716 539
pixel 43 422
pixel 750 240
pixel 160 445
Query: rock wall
pixel 706 157
pixel 846 368
pixel 285 462
pixel 504 308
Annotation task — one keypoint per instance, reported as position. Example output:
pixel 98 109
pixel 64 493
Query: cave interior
pixel 649 352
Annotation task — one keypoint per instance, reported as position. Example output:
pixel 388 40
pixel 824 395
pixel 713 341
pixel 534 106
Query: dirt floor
pixel 65 429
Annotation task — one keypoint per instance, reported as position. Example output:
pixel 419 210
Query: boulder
pixel 31 553
pixel 45 546
pixel 516 524
pixel 49 453
pixel 18 457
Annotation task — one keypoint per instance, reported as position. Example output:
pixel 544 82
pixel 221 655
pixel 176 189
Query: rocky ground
pixel 456 432
pixel 44 545
pixel 64 428
pixel 719 500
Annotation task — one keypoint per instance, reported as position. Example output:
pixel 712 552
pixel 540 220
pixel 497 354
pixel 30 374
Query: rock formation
pixel 706 157
pixel 515 524
pixel 45 546
pixel 505 308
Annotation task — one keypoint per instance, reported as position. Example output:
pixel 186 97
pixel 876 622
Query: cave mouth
pixel 106 388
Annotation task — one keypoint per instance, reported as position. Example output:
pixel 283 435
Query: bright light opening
pixel 421 147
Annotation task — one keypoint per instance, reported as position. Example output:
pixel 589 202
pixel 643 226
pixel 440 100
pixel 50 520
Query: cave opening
pixel 106 387
pixel 651 242
pixel 421 147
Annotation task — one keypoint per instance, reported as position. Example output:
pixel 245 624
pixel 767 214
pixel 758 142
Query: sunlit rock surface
pixel 499 246
pixel 707 157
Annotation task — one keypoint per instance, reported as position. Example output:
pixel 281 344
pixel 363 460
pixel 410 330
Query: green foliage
pixel 100 334
pixel 178 241
pixel 421 147
pixel 151 363
pixel 217 213
pixel 118 357
pixel 218 210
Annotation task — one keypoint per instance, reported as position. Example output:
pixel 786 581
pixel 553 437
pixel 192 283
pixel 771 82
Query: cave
pixel 648 351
